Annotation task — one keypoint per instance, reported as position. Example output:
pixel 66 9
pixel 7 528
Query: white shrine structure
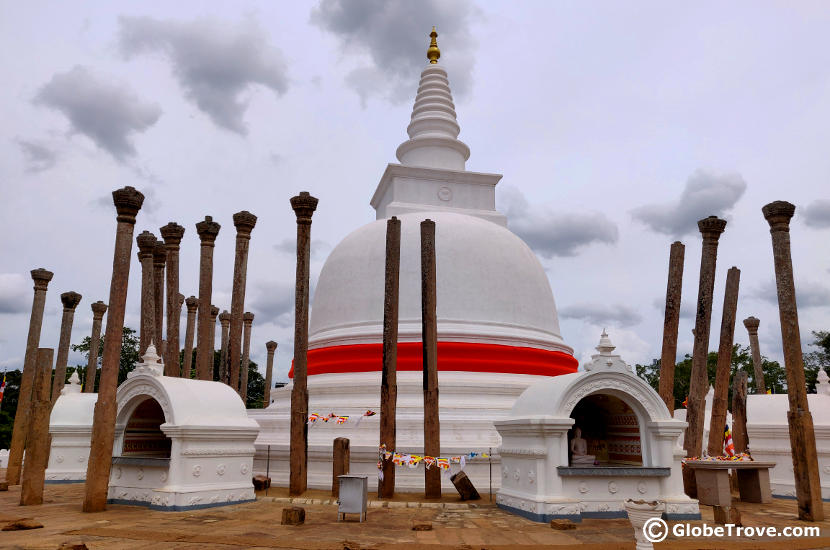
pixel 180 444
pixel 769 436
pixel 629 450
pixel 498 330
pixel 70 426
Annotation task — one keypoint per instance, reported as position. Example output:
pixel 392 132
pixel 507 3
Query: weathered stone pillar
pixel 208 230
pixel 429 337
pixel 670 323
pixel 740 438
pixel 711 229
pixel 146 242
pixel 720 401
pixel 214 314
pixel 389 376
pixel 37 441
pixel 128 202
pixel 187 361
pixel 248 320
pixel 98 310
pixel 41 277
pixel 304 206
pixel 271 347
pixel 70 301
pixel 159 261
pixel 752 324
pixel 340 458
pixel 802 437
pixel 224 321
pixel 244 222
pixel 172 234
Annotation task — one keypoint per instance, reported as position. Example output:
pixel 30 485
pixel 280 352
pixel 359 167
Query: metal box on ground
pixel 354 496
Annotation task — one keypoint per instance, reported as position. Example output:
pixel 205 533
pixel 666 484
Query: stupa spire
pixel 433 130
pixel 433 53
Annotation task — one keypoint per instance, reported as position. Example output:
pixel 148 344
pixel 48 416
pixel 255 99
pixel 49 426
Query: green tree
pixel 817 359
pixel 8 407
pixel 129 355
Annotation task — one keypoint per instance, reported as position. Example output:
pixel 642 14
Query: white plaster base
pixel 469 403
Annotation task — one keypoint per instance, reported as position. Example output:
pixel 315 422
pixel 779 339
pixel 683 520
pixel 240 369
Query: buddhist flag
pixel 3 387
pixel 729 447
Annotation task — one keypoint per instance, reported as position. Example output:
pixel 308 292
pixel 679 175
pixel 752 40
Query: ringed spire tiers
pixel 433 131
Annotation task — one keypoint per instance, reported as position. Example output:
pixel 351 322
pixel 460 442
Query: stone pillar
pixel 304 206
pixel 670 323
pixel 752 324
pixel 340 458
pixel 187 361
pixel 271 347
pixel 740 438
pixel 720 401
pixel 172 234
pixel 244 222
pixel 37 441
pixel 207 230
pixel 214 314
pixel 711 229
pixel 389 376
pixel 41 277
pixel 429 337
pixel 70 301
pixel 128 202
pixel 248 320
pixel 159 261
pixel 98 310
pixel 146 242
pixel 802 437
pixel 224 321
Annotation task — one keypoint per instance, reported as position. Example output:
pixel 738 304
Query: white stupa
pixel 498 330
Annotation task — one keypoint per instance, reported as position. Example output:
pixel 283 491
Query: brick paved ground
pixel 257 525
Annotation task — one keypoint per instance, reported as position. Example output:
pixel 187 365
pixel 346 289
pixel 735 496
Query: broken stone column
pixel 70 301
pixel 37 441
pixel 224 322
pixel 802 437
pixel 304 206
pixel 740 438
pixel 207 230
pixel 98 310
pixel 720 401
pixel 670 323
pixel 271 347
pixel 172 234
pixel 429 338
pixel 214 314
pixel 159 261
pixel 340 458
pixel 187 361
pixel 389 376
pixel 128 202
pixel 41 277
pixel 146 242
pixel 248 320
pixel 752 324
pixel 244 222
pixel 710 229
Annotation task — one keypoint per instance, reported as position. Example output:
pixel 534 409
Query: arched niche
pixel 610 428
pixel 142 433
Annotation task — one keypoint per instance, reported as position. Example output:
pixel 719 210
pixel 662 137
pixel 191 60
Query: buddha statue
pixel 579 450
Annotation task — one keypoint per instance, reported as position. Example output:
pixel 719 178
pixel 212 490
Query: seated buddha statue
pixel 579 450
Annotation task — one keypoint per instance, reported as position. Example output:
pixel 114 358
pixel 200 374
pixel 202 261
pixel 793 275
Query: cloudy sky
pixel 616 126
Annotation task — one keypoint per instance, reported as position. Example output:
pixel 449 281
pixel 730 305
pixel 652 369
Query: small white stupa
pixel 70 426
pixel 498 330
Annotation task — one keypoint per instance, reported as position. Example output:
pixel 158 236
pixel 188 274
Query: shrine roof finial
pixel 433 53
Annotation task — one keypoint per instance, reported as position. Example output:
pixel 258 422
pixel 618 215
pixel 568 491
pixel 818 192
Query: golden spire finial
pixel 433 53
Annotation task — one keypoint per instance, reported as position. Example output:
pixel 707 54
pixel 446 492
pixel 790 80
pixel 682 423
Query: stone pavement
pixel 455 525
